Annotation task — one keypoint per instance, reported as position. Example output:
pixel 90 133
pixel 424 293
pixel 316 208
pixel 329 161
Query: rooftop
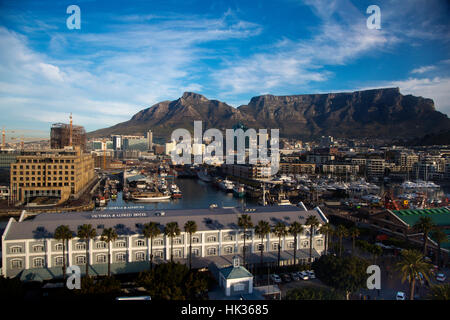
pixel 440 216
pixel 129 221
pixel 235 272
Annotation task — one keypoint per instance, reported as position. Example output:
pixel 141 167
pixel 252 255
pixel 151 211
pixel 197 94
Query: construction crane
pixel 70 131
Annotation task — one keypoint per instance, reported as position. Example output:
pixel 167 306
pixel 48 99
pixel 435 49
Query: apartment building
pixel 28 246
pixel 52 173
pixel 297 168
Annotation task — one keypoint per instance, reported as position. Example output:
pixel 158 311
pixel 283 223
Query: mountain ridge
pixel 367 113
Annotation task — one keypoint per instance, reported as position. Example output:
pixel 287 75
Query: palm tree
pixel 312 222
pixel 294 229
pixel 411 264
pixel 440 292
pixel 245 222
pixel 86 232
pixel 341 232
pixel 354 233
pixel 150 231
pixel 172 230
pixel 262 229
pixel 280 230
pixel 327 230
pixel 439 236
pixel 190 227
pixel 64 234
pixel 109 235
pixel 424 225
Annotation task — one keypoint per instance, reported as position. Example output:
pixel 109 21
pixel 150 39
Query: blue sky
pixel 129 55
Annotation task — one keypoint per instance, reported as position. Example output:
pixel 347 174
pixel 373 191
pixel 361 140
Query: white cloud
pixel 423 69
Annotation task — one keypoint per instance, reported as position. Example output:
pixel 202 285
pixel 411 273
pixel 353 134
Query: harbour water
pixel 196 194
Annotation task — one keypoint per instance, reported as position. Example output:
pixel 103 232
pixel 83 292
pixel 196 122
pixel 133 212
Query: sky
pixel 129 55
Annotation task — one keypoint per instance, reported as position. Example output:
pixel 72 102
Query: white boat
pixel 226 185
pixel 149 197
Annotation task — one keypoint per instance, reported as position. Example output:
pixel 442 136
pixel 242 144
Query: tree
pixel 245 222
pixel 86 233
pixel 341 232
pixel 262 229
pixel 109 235
pixel 280 230
pixel 440 292
pixel 63 233
pixel 294 229
pixel 190 227
pixel 312 222
pixel 424 225
pixel 172 230
pixel 327 230
pixel 439 236
pixel 410 265
pixel 345 274
pixel 354 233
pixel 151 230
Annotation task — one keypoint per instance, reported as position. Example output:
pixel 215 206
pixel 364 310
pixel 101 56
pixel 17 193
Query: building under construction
pixel 63 135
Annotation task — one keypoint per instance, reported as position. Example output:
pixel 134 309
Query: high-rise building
pixel 117 142
pixel 150 140
pixel 61 135
pixel 51 173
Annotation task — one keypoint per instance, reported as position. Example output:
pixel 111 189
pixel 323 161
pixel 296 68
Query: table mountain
pixel 381 113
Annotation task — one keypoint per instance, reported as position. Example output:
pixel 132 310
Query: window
pixel 160 254
pixel 140 256
pixel 121 244
pixel 319 242
pixel 158 242
pixel 195 252
pixel 80 246
pixel 305 244
pixel 239 287
pixel 80 260
pixel 101 245
pixel 291 245
pixel 121 257
pixel 16 264
pixel 260 247
pixel 59 247
pixel 177 253
pixel 228 237
pixel 211 239
pixel 177 241
pixel 101 258
pixel 140 243
pixel 195 240
pixel 38 248
pixel 275 246
pixel 228 250
pixel 38 262
pixel 211 251
pixel 16 249
pixel 59 261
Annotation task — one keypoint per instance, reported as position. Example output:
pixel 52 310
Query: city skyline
pixel 126 58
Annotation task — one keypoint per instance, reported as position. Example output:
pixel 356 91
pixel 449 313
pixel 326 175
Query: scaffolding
pixel 61 135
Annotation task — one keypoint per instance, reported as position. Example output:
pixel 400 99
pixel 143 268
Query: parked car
pixel 304 275
pixel 294 276
pixel 311 274
pixel 441 277
pixel 400 296
pixel 286 277
pixel 275 278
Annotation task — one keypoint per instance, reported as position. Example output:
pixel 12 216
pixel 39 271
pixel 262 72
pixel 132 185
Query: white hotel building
pixel 30 252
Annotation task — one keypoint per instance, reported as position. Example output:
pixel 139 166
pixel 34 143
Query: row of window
pixel 141 243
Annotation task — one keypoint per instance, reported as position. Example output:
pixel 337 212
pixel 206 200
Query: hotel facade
pixel 30 251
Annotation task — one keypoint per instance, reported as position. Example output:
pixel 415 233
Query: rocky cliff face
pixel 371 113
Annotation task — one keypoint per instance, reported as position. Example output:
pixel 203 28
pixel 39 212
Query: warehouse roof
pixel 440 216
